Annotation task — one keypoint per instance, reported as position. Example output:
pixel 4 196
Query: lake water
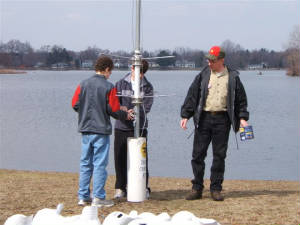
pixel 39 127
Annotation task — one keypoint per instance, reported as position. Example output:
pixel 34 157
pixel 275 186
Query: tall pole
pixel 136 157
pixel 138 25
pixel 137 100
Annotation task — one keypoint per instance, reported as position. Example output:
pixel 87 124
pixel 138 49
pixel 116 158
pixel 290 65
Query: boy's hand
pixel 130 114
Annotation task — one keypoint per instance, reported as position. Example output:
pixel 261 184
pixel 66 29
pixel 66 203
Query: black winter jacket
pixel 196 97
pixel 95 100
pixel 124 88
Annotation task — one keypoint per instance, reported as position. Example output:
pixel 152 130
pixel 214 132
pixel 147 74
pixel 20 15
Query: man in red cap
pixel 216 100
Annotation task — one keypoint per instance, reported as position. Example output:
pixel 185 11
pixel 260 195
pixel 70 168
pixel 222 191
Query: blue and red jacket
pixel 95 101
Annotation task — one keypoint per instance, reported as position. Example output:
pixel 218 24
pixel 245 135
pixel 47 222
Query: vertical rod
pixel 137 71
pixel 138 25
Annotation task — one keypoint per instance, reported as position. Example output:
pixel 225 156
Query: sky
pixel 166 24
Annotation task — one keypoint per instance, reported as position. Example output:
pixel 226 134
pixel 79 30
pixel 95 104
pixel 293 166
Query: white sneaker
pixel 84 202
pixel 120 193
pixel 102 202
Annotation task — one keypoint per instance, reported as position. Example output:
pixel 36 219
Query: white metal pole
pixel 136 147
pixel 137 100
pixel 138 25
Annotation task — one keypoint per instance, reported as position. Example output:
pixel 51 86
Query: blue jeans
pixel 93 162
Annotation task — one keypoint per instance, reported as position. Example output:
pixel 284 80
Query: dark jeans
pixel 120 154
pixel 215 129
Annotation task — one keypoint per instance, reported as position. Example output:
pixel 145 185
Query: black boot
pixel 217 196
pixel 195 194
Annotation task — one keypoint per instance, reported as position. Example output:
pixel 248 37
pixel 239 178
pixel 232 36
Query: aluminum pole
pixel 137 100
pixel 138 25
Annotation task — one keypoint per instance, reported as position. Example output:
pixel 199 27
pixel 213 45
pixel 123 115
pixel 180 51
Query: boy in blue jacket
pixel 95 101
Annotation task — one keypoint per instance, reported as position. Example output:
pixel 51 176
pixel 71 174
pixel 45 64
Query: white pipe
pixel 136 169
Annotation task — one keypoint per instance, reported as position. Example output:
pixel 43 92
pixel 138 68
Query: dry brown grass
pixel 247 202
pixel 11 71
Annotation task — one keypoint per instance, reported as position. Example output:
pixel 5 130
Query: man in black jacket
pixel 216 99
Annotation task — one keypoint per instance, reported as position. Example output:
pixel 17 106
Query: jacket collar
pixel 100 76
pixel 206 69
pixel 142 83
pixel 230 70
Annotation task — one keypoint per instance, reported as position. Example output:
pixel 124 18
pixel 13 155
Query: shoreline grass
pixel 11 71
pixel 246 201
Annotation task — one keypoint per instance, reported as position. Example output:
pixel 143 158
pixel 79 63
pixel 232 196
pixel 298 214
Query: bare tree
pixel 293 53
pixel 234 54
pixel 91 53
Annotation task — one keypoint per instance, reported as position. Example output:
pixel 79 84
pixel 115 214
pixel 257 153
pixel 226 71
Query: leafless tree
pixel 234 54
pixel 293 53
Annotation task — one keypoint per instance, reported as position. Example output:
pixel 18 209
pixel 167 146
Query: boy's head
pixel 144 67
pixel 104 63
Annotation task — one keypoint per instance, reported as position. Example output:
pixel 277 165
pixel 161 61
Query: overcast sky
pixel 166 24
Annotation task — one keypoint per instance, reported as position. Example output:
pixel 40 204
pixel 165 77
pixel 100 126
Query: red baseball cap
pixel 215 52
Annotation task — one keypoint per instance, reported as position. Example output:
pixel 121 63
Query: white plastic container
pixel 136 169
pixel 117 218
pixel 48 216
pixel 19 219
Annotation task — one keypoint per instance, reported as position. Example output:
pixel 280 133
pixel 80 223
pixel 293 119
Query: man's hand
pixel 243 123
pixel 130 114
pixel 183 123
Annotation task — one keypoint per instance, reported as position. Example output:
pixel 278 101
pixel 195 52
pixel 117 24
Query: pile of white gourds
pixel 89 216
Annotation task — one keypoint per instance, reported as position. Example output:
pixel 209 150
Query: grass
pixel 246 202
pixel 11 71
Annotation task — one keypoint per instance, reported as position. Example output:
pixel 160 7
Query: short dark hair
pixel 144 66
pixel 104 62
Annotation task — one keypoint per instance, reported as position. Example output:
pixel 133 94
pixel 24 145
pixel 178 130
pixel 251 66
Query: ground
pixel 246 202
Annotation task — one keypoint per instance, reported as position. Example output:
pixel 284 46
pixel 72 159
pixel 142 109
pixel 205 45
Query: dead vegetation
pixel 246 202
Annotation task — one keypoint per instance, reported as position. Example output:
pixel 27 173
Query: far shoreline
pixel 24 70
pixel 12 71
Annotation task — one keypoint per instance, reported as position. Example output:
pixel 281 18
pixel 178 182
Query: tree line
pixel 17 54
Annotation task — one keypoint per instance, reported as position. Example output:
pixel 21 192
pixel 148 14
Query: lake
pixel 39 127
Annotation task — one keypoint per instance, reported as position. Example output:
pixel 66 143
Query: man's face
pixel 107 73
pixel 133 73
pixel 215 65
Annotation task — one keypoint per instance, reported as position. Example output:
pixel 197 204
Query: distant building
pixel 59 66
pixel 153 65
pixel 257 66
pixel 185 64
pixel 120 65
pixel 39 65
pixel 87 64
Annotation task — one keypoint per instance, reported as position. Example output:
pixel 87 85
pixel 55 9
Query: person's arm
pixel 114 109
pixel 75 99
pixel 148 101
pixel 191 101
pixel 241 103
pixel 119 91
